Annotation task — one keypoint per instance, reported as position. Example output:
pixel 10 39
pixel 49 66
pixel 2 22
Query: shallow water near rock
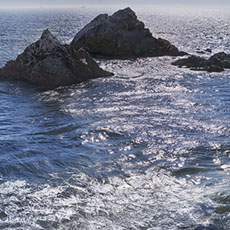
pixel 145 149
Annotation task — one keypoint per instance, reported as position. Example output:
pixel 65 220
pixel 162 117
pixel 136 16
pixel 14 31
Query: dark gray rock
pixel 191 62
pixel 48 63
pixel 121 35
pixel 221 59
pixel 216 63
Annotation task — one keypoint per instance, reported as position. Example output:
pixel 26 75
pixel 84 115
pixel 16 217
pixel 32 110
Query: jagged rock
pixel 121 35
pixel 48 63
pixel 216 63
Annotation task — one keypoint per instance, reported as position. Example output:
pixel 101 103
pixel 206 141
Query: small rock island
pixel 216 63
pixel 48 63
pixel 121 35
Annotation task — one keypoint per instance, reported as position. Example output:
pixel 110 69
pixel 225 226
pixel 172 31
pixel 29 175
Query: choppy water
pixel 148 148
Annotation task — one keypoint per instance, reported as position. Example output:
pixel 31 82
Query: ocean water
pixel 148 148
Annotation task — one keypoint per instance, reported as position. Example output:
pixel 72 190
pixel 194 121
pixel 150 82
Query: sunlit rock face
pixel 121 35
pixel 48 63
pixel 216 63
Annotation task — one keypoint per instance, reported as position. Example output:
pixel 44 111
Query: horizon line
pixel 111 5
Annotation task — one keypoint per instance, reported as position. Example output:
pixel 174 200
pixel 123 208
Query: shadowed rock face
pixel 48 63
pixel 216 63
pixel 121 35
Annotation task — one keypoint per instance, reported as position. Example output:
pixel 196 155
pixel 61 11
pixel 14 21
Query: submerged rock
pixel 48 63
pixel 216 63
pixel 121 35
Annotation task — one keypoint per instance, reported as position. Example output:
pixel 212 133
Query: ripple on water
pixel 139 201
pixel 145 149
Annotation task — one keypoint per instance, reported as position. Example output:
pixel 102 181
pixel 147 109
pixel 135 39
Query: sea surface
pixel 148 148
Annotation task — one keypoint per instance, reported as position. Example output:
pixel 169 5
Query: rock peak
pixel 46 33
pixel 43 47
pixel 48 36
pixel 124 13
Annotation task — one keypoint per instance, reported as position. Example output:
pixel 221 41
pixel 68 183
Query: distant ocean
pixel 148 148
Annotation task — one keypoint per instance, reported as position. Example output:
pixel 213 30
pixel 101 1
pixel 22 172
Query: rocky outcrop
pixel 216 63
pixel 121 35
pixel 48 63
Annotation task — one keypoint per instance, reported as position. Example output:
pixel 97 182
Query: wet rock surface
pixel 121 35
pixel 48 63
pixel 216 63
